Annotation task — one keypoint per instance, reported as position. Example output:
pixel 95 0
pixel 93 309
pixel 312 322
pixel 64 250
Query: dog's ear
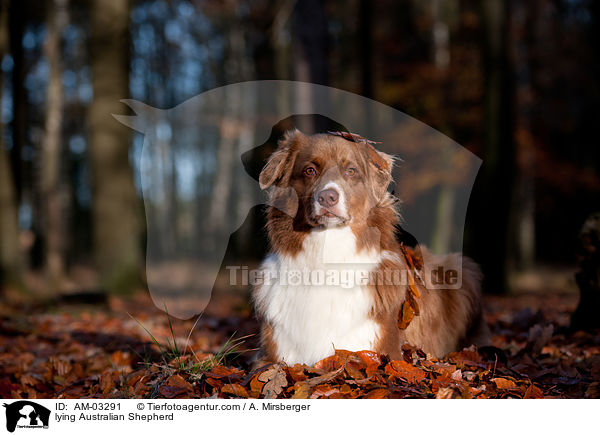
pixel 280 164
pixel 381 165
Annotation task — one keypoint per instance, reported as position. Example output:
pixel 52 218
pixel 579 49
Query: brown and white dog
pixel 329 210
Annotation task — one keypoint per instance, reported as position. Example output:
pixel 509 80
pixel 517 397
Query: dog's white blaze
pixel 340 207
pixel 311 321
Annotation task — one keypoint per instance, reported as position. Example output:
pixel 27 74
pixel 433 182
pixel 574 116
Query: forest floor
pixel 127 348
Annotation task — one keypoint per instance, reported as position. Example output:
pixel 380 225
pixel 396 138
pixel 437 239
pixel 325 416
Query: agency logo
pixel 25 414
pixel 199 166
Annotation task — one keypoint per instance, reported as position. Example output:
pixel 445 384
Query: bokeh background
pixel 514 82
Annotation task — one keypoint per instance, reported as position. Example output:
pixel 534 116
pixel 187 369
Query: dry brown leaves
pixel 65 356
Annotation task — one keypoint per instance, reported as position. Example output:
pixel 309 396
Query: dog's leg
pixel 268 348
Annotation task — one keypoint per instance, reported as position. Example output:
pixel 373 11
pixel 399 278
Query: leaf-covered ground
pixel 128 348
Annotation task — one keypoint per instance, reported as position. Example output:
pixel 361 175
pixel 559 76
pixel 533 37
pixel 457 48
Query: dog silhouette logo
pixel 198 164
pixel 26 414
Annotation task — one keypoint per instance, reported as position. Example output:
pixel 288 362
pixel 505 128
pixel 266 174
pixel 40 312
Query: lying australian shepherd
pixel 330 214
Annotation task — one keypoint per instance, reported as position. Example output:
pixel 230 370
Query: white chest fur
pixel 312 316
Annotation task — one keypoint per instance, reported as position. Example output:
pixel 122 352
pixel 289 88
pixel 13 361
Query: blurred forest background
pixel 514 82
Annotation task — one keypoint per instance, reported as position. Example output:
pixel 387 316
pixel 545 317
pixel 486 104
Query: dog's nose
pixel 328 197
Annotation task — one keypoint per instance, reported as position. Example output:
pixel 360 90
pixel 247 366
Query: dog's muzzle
pixel 330 206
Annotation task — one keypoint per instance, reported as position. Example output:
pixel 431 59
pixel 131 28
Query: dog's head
pixel 327 180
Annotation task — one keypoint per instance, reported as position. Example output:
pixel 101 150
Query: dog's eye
pixel 350 172
pixel 310 171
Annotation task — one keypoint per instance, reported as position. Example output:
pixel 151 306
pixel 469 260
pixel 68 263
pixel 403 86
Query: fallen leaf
pixel 466 358
pixel 215 383
pixel 29 380
pixel 405 315
pixel 178 382
pixel 406 371
pixel 380 393
pixel 354 369
pixel 235 390
pixel 441 368
pixel 305 387
pixel 330 363
pixel 174 387
pixel 442 381
pixel 218 372
pixel 595 369
pixel 457 375
pixel 345 389
pixel 533 392
pixel 106 382
pixel 297 372
pixel 504 384
pixel 446 393
pixel 275 380
pixel 369 357
pixel 256 385
pixel 593 391
pixel 302 391
pixel 323 390
pixel 134 377
pixel 169 392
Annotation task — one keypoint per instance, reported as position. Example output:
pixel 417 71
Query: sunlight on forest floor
pixel 126 347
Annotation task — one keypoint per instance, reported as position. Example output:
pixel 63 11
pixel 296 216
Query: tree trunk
pixel 440 37
pixel 54 200
pixel 19 95
pixel 585 316
pixel 312 38
pixel 497 173
pixel 281 50
pixel 10 260
pixel 218 210
pixel 310 56
pixel 523 204
pixel 365 23
pixel 115 208
pixel 231 132
pixel 244 199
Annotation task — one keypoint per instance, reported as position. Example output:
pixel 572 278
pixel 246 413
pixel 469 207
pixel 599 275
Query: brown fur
pixel 449 319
